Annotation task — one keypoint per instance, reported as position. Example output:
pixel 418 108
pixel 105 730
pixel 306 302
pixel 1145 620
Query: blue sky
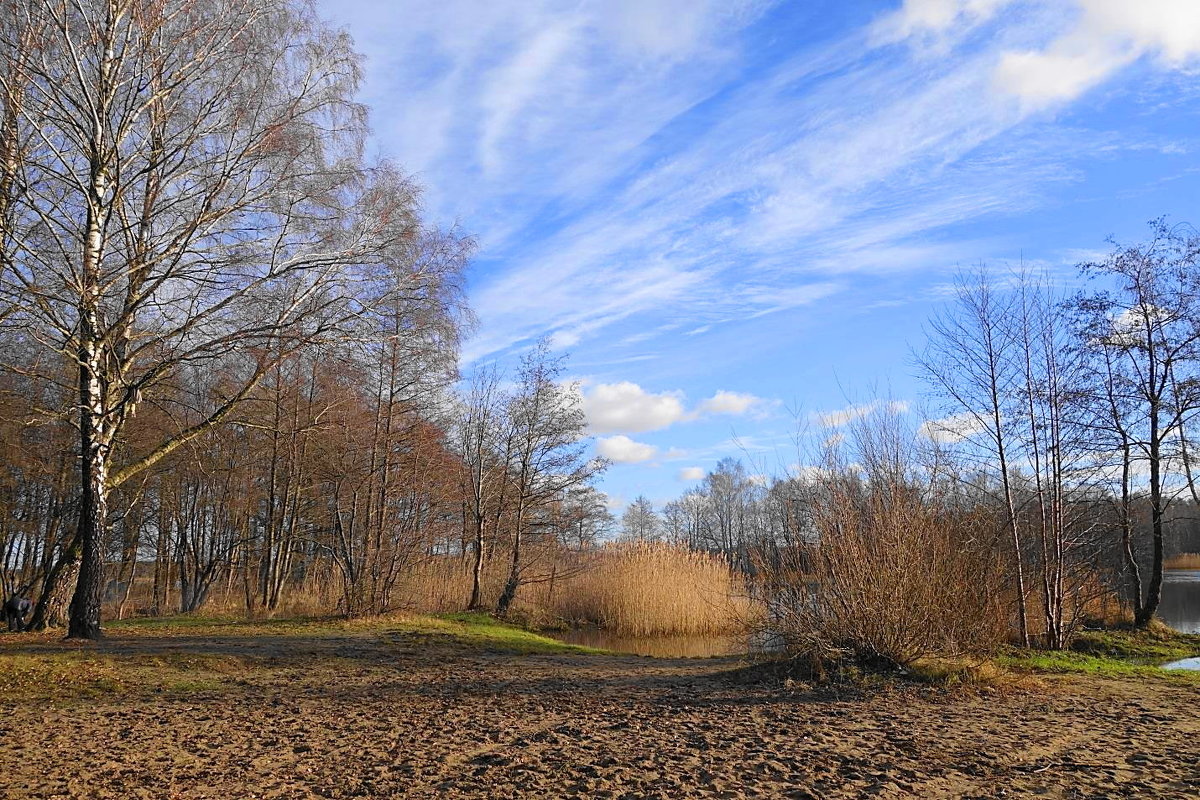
pixel 736 215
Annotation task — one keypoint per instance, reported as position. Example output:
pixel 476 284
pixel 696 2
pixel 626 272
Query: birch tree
pixel 182 184
pixel 972 362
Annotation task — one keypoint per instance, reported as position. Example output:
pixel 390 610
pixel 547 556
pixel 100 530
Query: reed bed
pixel 1183 561
pixel 656 589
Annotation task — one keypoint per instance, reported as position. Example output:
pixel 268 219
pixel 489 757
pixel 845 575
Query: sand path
pixel 400 715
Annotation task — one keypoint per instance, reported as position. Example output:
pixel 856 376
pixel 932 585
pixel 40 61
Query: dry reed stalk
pixel 1183 561
pixel 654 589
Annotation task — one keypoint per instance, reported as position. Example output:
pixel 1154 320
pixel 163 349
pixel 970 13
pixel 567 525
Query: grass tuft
pixel 478 630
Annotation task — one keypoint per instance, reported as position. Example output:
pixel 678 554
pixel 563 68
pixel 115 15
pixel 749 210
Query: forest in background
pixel 230 351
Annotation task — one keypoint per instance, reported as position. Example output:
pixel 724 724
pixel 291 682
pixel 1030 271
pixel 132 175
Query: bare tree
pixel 1143 329
pixel 640 522
pixel 973 363
pixel 184 184
pixel 485 468
pixel 545 427
pixel 591 521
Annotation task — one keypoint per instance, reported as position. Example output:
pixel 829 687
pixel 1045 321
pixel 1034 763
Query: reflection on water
pixel 657 646
pixel 1180 606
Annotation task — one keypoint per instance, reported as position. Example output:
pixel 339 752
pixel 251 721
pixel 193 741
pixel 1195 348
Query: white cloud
pixel 735 403
pixel 625 406
pixel 923 17
pixel 952 429
pixel 691 474
pixel 560 340
pixel 621 449
pixel 808 473
pixel 1106 36
pixel 844 416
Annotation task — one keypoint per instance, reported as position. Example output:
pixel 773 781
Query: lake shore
pixel 415 710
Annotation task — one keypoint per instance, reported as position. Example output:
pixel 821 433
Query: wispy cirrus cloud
pixel 640 167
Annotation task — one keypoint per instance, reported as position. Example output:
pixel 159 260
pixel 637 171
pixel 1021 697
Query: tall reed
pixel 655 589
pixel 1183 561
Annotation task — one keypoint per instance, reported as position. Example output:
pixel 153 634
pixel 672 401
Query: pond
pixel 1180 606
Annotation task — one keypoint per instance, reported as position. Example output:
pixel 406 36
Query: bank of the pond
pixel 1116 653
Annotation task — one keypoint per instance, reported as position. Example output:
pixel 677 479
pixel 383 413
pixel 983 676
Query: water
pixel 1186 663
pixel 658 646
pixel 1180 606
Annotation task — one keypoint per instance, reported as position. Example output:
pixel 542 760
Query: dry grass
pixel 1183 561
pixel 634 590
pixel 649 589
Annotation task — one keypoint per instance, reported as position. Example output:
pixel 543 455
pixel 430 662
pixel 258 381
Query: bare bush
pixel 894 572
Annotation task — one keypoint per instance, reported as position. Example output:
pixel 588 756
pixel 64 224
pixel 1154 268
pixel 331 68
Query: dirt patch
pixel 393 714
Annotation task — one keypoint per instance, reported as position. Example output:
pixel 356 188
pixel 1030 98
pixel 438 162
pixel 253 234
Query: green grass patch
pixel 477 630
pixel 1156 643
pixel 466 629
pixel 1113 653
pixel 75 674
pixel 58 675
pixel 950 672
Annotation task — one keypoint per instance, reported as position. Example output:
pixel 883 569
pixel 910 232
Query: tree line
pixel 229 340
pixel 229 349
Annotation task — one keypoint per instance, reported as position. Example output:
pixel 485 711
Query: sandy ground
pixel 401 715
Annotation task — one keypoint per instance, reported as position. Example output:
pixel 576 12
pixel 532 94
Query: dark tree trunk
pixel 93 515
pixel 1149 608
pixel 1154 589
pixel 50 611
pixel 514 574
pixel 84 622
pixel 477 571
